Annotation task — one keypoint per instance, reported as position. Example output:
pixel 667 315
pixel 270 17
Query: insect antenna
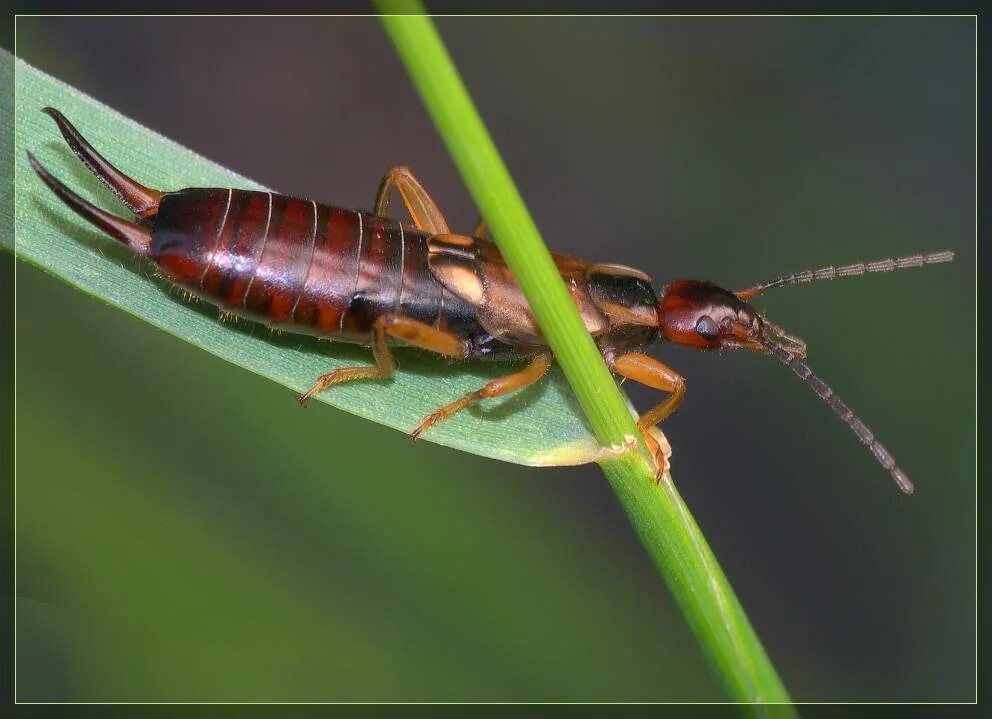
pixel 855 270
pixel 824 392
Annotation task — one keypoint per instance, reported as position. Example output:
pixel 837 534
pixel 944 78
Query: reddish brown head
pixel 703 316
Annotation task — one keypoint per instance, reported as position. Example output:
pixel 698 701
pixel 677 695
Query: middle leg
pixel 496 388
pixel 481 229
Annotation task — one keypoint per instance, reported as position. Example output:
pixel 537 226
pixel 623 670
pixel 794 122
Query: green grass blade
pixel 539 427
pixel 659 515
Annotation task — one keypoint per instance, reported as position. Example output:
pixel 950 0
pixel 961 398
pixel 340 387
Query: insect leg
pixel 410 331
pixel 481 229
pixel 649 371
pixel 383 369
pixel 501 385
pixel 424 211
pixel 426 337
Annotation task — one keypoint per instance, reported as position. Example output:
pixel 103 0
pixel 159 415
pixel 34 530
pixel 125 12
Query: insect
pixel 361 277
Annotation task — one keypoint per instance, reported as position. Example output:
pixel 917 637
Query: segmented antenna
pixel 859 268
pixel 824 392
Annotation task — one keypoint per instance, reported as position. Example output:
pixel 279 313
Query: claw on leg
pixel 658 453
pixel 345 374
pixel 443 413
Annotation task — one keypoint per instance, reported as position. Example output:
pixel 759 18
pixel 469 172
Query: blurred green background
pixel 185 532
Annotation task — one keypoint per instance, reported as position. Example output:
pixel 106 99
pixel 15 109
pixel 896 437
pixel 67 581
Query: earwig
pixel 353 276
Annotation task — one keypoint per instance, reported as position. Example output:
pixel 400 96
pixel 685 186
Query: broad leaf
pixel 539 426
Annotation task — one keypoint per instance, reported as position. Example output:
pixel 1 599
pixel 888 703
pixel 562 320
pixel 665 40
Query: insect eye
pixel 707 329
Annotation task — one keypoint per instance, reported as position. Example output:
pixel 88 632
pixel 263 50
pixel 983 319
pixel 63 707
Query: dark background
pixel 184 532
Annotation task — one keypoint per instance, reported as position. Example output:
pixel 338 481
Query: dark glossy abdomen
pixel 300 265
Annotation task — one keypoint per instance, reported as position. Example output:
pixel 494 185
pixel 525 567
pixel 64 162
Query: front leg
pixel 648 371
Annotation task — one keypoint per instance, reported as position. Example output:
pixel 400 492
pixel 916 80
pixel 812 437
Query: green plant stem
pixel 658 514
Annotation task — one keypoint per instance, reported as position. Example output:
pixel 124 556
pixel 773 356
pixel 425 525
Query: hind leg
pixel 424 211
pixel 412 332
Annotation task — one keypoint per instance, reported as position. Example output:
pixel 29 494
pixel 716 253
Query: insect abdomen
pixel 297 264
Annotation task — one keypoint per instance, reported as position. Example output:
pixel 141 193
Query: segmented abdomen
pixel 297 264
